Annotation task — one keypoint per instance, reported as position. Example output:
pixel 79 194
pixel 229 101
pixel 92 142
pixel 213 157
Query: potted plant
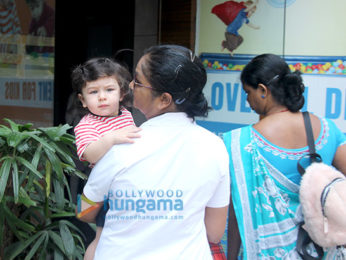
pixel 35 198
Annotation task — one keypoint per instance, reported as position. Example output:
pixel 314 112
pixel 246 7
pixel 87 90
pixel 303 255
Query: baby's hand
pixel 125 135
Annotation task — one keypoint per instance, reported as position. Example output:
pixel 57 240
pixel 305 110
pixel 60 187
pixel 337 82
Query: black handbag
pixel 304 242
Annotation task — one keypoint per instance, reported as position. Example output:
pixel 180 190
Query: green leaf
pixel 23 147
pixel 29 177
pixel 71 226
pixel 67 238
pixel 79 253
pixel 63 214
pixel 65 181
pixel 43 254
pixel 57 240
pixel 11 225
pixel 58 255
pixel 80 241
pixel 19 247
pixel 26 127
pixel 15 181
pixel 56 163
pixel 59 194
pixel 64 154
pixel 55 133
pixel 2 142
pixel 35 247
pixel 48 177
pixel 25 199
pixel 40 140
pixel 2 226
pixel 14 138
pixel 13 125
pixel 75 171
pixel 29 166
pixel 17 221
pixel 5 158
pixel 4 131
pixel 37 156
pixel 39 187
pixel 68 139
pixel 13 250
pixel 4 173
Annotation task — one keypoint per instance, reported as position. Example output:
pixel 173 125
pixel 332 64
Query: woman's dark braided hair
pixel 176 70
pixel 286 87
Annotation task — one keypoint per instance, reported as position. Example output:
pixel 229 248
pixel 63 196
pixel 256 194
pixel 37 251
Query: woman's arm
pixel 233 236
pixel 339 161
pixel 215 223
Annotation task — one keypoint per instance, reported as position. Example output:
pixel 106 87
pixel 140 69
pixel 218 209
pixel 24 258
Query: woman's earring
pixel 262 96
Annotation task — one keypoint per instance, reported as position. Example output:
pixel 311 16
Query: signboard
pixel 27 61
pixel 325 96
pixel 27 100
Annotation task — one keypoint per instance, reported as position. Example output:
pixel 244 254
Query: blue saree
pixel 266 202
pixel 265 186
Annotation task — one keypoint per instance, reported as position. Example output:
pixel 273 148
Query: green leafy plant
pixel 35 198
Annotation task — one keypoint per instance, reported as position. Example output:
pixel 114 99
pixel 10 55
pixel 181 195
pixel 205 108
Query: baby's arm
pixel 95 150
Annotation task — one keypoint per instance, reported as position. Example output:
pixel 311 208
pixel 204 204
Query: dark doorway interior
pixel 86 29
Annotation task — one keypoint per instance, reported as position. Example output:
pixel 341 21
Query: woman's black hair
pixel 96 68
pixel 176 70
pixel 286 87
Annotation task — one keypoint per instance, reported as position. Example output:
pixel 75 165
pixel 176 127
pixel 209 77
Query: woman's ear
pixel 263 90
pixel 165 100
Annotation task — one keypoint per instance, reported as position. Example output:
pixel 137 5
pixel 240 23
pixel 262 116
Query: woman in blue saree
pixel 263 161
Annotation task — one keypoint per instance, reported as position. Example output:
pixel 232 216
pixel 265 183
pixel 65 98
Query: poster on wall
pixel 27 61
pixel 230 33
pixel 283 27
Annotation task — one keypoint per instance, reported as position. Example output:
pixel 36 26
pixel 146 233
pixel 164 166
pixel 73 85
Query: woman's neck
pixel 275 110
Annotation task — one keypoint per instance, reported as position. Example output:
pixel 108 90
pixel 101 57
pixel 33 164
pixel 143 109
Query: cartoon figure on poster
pixel 234 15
pixel 41 25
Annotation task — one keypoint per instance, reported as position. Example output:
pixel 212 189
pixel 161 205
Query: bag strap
pixel 314 157
pixel 303 241
pixel 309 132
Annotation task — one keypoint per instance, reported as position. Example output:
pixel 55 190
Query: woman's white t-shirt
pixel 158 189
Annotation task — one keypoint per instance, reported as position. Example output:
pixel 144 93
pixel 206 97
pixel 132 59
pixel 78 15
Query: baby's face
pixel 102 96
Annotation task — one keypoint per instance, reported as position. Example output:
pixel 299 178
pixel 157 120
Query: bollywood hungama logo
pixel 136 201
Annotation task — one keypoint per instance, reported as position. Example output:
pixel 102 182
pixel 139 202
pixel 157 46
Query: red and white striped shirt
pixel 92 127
